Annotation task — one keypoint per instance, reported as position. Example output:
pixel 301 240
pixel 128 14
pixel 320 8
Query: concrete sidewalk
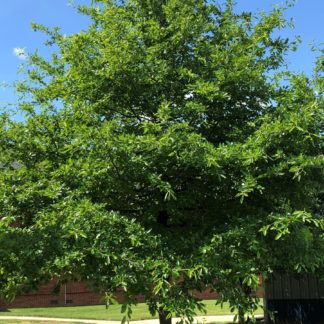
pixel 199 319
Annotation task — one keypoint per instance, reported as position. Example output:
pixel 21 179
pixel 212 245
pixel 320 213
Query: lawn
pixel 40 322
pixel 101 313
pixel 53 322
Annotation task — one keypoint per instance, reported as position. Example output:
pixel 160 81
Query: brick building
pixel 77 293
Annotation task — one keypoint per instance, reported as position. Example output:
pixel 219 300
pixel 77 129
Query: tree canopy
pixel 165 149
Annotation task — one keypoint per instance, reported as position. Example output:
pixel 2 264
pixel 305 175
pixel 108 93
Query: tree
pixel 165 149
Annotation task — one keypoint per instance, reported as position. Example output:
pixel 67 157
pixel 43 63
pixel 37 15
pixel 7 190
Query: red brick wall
pixel 77 293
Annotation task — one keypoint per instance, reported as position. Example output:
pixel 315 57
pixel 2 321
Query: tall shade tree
pixel 165 149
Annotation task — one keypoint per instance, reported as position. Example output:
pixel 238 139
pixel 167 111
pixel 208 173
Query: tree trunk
pixel 241 319
pixel 163 317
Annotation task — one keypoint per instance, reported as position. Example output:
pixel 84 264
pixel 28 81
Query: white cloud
pixel 20 53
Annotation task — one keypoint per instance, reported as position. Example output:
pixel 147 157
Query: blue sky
pixel 16 33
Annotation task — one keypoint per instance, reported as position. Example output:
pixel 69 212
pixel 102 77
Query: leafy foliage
pixel 165 149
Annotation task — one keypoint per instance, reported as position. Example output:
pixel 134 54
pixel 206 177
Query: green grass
pixel 38 322
pixel 53 322
pixel 100 312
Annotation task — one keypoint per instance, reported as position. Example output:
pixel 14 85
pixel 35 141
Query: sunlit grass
pixel 100 312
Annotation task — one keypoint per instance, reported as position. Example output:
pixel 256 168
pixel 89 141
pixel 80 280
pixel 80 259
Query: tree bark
pixel 163 317
pixel 241 319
